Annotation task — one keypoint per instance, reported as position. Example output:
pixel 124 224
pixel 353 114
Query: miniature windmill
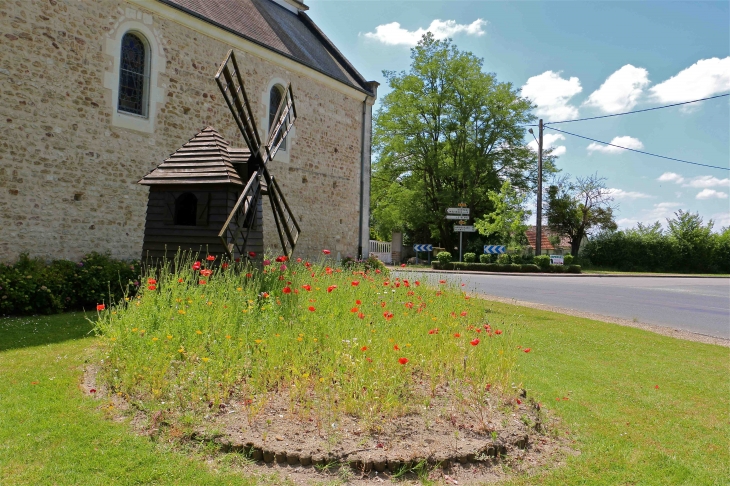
pixel 235 232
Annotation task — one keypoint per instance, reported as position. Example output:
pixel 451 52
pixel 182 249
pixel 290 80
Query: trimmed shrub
pixel 444 257
pixel 567 260
pixel 573 269
pixel 485 258
pixel 542 261
pixel 529 268
pixel 470 257
pixel 504 259
pixel 498 267
pixel 517 259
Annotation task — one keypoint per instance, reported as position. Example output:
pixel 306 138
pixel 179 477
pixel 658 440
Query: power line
pixel 639 151
pixel 635 111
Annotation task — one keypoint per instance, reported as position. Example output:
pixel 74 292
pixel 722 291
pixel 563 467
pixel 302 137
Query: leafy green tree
pixel 578 209
pixel 506 223
pixel 694 241
pixel 447 133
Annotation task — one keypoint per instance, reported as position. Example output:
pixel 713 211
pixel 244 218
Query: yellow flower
pixel 500 352
pixel 210 303
pixel 244 311
pixel 190 301
pixel 198 332
pixel 277 335
pixel 181 350
pixel 301 335
pixel 305 375
pixel 178 300
pixel 258 341
pixel 154 339
pixel 142 331
pixel 114 312
pixel 408 345
pixel 181 311
pixel 113 339
pixel 134 329
pixel 315 340
pixel 228 336
pixel 126 299
pixel 281 318
pixel 239 288
pixel 169 336
pixel 299 339
pixel 205 359
pixel 321 380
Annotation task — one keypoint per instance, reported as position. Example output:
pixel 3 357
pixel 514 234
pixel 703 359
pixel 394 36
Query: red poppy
pixel 280 259
pixel 527 350
pixel 358 302
pixel 403 360
pixel 417 283
pixel 457 335
pixel 196 266
pixel 224 266
pixel 386 283
pixel 519 402
pixel 409 305
pixel 252 254
pixel 267 263
pixel 326 252
pixel 382 304
pixel 377 271
pixel 463 313
pixel 311 308
pixel 202 282
pixel 438 294
pixel 355 283
pixel 151 287
pixel 93 390
pixel 151 281
pixel 498 331
pixel 299 260
pixel 307 287
pixel 265 295
pixel 403 265
pixel 238 260
pixel 210 258
pixel 364 348
pixel 388 315
pixel 180 280
pixel 206 273
pixel 442 281
pixel 369 360
pixel 463 285
pixel 361 315
pixel 433 331
pixel 100 307
pixel 286 290
pixel 474 342
pixel 396 348
pixel 249 275
pixel 656 387
pixel 328 270
pixel 331 288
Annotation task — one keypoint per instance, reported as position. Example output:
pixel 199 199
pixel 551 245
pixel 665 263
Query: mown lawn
pixel 641 408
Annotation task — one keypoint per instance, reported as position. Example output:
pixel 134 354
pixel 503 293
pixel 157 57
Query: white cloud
pixel 671 177
pixel 621 194
pixel 548 142
pixel 551 94
pixel 659 212
pixel 702 79
pixel 721 220
pixel 393 34
pixel 625 141
pixel 710 193
pixel 697 182
pixel 620 91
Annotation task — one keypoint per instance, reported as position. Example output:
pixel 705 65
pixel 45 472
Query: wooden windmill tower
pixel 206 197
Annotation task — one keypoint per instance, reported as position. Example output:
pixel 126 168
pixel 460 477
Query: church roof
pixel 206 159
pixel 271 25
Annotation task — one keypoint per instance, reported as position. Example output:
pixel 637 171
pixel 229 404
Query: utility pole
pixel 538 219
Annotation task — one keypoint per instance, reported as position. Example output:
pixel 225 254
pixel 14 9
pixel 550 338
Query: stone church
pixel 96 94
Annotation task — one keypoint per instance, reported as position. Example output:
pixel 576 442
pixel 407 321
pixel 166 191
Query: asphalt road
pixel 700 305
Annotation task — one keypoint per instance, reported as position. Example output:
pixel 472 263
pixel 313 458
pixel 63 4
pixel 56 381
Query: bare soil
pixel 444 441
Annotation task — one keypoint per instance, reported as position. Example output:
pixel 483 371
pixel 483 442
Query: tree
pixel 506 223
pixel 446 133
pixel 694 241
pixel 578 209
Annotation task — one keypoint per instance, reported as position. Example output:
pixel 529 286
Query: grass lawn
pixel 642 408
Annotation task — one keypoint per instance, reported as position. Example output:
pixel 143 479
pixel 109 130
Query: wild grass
pixel 334 339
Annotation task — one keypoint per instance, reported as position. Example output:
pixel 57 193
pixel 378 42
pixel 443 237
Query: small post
pixel 461 233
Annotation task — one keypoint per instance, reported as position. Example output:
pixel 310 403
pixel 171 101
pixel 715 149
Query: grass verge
pixel 641 408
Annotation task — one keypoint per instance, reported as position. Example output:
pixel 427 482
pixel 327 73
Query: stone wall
pixel 69 168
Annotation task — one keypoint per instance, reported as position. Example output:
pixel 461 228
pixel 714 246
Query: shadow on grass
pixel 28 331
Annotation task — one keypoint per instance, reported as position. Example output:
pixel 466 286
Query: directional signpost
pixel 460 214
pixel 494 249
pixel 428 248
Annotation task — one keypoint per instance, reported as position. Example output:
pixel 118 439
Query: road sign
pixel 556 259
pixel 462 205
pixel 460 228
pixel 423 247
pixel 464 211
pixel 494 249
pixel 457 216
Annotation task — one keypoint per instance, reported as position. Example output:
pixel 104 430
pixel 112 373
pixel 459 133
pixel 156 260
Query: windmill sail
pixel 231 86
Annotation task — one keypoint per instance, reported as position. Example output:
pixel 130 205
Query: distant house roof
pixel 206 159
pixel 269 24
pixel 531 234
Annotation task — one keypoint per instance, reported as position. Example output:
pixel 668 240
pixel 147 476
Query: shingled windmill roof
pixel 206 159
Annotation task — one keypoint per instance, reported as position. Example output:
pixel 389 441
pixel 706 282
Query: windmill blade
pixel 230 83
pixel 287 115
pixel 286 223
pixel 235 232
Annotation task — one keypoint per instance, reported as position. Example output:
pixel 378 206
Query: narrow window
pixel 133 76
pixel 275 97
pixel 186 209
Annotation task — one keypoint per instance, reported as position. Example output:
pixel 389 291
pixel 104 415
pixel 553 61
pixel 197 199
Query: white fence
pixel 381 250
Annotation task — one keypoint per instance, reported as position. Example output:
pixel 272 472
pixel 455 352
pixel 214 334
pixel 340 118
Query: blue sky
pixel 582 59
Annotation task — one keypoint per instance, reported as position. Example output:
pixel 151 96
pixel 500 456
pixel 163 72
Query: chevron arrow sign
pixel 494 249
pixel 423 247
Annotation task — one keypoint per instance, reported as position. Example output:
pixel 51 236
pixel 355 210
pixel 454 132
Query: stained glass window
pixel 275 97
pixel 132 76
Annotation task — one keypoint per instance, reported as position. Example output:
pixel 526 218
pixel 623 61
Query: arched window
pixel 275 97
pixel 133 74
pixel 186 209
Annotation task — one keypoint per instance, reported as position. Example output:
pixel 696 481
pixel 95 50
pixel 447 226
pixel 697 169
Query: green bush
pixel 573 269
pixel 444 257
pixel 32 286
pixel 517 259
pixel 470 257
pixel 485 258
pixel 542 261
pixel 567 260
pixel 509 267
pixel 504 259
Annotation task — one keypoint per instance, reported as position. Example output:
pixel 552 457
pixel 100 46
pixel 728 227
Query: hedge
pixel 511 267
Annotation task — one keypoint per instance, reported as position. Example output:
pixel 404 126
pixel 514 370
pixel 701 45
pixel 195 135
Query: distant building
pixel 561 246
